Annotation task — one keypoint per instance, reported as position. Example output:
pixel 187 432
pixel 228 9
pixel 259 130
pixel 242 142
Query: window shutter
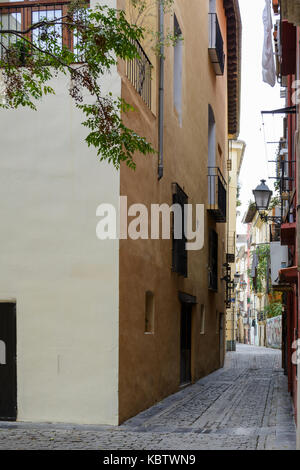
pixel 179 261
pixel 213 261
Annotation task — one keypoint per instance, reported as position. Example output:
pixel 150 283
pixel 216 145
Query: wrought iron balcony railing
pixel 21 15
pixel 216 45
pixel 217 195
pixel 139 73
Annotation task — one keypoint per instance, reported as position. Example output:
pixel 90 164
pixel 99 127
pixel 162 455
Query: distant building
pixel 258 277
pixel 236 155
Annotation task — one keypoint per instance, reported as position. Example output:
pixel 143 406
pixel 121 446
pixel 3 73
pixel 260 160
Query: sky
pixel 255 97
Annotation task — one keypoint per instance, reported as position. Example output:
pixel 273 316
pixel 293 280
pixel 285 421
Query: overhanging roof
pixel 234 48
pixel 289 274
pixel 250 214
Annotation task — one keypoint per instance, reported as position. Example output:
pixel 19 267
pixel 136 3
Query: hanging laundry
pixel 268 61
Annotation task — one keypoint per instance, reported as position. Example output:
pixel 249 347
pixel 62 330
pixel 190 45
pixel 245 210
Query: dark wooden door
pixel 185 343
pixel 221 338
pixel 284 344
pixel 8 380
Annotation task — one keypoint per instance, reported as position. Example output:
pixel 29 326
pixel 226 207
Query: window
pixel 220 151
pixel 22 15
pixel 212 6
pixel 217 192
pixel 216 43
pixel 179 262
pixel 211 138
pixel 177 73
pixel 213 261
pixel 149 312
pixel 202 319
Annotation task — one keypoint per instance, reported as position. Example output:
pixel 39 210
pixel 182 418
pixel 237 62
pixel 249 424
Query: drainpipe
pixel 161 92
pixel 298 259
pixel 297 177
pixel 298 264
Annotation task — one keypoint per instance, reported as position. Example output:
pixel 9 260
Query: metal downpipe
pixel 161 92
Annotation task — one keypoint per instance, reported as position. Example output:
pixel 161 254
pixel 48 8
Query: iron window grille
pixel 217 194
pixel 21 15
pixel 216 45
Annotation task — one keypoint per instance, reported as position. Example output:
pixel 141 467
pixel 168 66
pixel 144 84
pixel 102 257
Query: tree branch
pixel 33 27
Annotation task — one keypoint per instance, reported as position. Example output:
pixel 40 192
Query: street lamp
pixel 262 195
pixel 237 277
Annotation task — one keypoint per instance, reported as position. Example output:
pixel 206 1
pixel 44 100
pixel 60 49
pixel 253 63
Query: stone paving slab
pixel 244 406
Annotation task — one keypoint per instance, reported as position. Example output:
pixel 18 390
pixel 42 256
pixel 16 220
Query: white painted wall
pixel 65 281
pixel 279 256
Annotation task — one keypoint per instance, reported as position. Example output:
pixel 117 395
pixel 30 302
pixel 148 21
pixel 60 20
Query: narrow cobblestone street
pixel 243 406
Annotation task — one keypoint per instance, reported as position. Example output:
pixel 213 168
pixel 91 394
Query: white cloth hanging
pixel 268 60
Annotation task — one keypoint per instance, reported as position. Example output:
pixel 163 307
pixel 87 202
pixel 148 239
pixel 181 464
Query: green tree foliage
pixel 260 281
pixel 141 13
pixel 31 58
pixel 274 309
pixel 238 194
pixel 263 253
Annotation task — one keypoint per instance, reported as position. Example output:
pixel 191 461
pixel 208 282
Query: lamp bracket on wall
pixel 267 218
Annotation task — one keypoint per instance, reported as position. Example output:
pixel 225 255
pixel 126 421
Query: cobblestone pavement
pixel 245 405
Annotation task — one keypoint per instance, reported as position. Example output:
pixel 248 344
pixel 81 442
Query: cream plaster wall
pixel 236 154
pixel 64 280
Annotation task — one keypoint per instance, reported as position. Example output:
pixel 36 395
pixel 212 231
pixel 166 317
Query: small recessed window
pixel 202 319
pixel 212 6
pixel 220 151
pixel 178 58
pixel 149 312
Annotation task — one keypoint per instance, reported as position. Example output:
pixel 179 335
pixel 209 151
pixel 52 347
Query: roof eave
pixel 234 54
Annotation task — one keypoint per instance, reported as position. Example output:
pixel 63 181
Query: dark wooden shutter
pixel 179 262
pixel 213 261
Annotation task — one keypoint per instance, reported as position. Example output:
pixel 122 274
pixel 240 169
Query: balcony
pixel 216 45
pixel 289 275
pixel 288 48
pixel 217 196
pixel 275 232
pixel 138 72
pixel 288 234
